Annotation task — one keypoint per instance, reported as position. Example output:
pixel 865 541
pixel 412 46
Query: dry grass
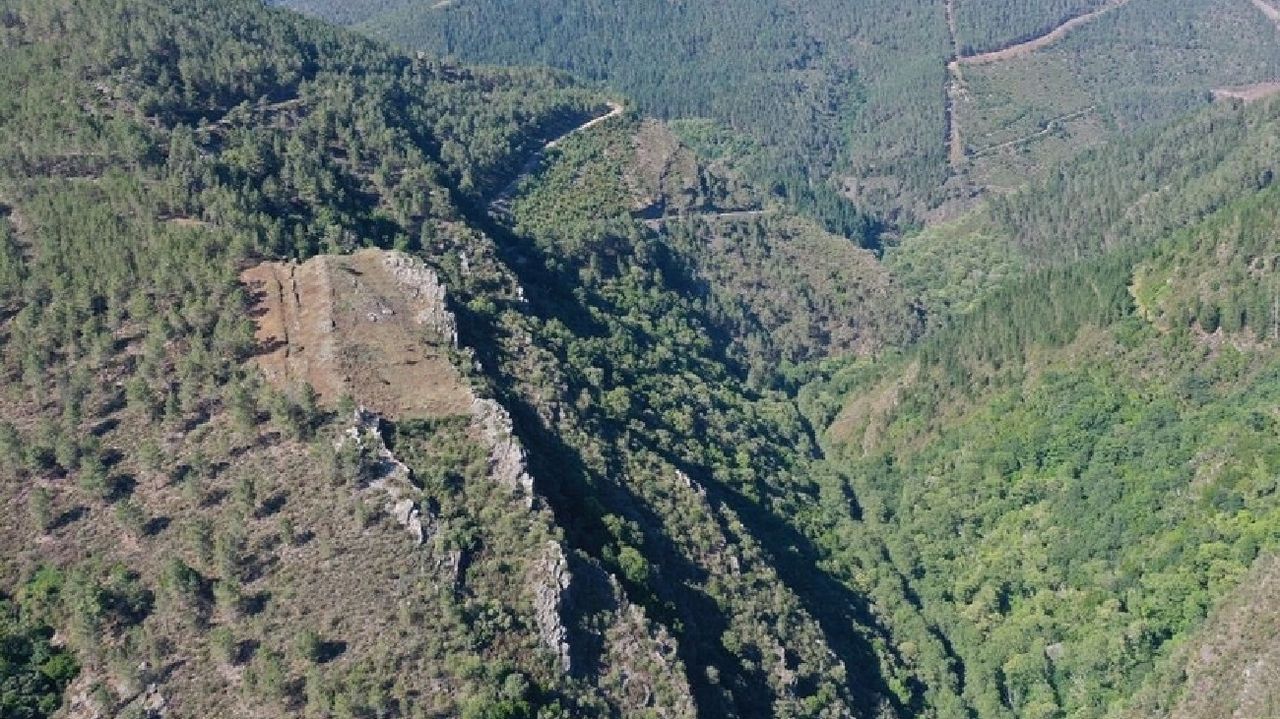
pixel 348 326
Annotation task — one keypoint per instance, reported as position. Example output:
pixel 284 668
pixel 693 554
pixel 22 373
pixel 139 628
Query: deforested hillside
pixel 1134 64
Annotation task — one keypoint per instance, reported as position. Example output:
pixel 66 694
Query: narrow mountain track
pixel 1271 11
pixel 1247 93
pixel 501 203
pixel 955 143
pixel 1049 127
pixel 659 222
pixel 1040 42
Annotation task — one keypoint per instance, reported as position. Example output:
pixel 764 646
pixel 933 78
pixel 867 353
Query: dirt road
pixel 502 201
pixel 1271 11
pixel 1048 128
pixel 658 222
pixel 1026 48
pixel 1247 93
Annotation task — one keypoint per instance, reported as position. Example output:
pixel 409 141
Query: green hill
pixel 594 478
pixel 344 383
pixel 857 94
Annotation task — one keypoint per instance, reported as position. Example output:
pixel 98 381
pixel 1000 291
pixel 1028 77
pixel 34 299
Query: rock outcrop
pixel 425 293
pixel 552 580
pixel 506 456
pixel 376 326
pixel 387 474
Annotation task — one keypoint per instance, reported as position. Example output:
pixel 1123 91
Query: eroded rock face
pixel 425 293
pixel 388 474
pixel 506 456
pixel 550 597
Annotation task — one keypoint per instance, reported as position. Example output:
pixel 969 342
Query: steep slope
pixel 1229 668
pixel 1072 474
pixel 190 324
pixel 859 95
pixel 543 458
pixel 1127 193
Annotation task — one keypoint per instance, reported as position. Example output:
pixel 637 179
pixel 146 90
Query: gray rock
pixel 550 596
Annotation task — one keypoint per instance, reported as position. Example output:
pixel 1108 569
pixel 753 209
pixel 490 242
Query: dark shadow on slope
pixel 580 499
pixel 844 616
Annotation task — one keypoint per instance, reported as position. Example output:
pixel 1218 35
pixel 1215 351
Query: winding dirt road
pixel 1271 11
pixel 1037 43
pixel 1048 128
pixel 1247 93
pixel 658 222
pixel 501 203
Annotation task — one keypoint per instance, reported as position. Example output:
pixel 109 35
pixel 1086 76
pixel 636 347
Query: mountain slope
pixel 859 95
pixel 599 472
pixel 1072 474
pixel 343 383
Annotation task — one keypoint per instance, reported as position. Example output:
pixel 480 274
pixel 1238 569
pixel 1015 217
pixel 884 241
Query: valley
pixel 694 379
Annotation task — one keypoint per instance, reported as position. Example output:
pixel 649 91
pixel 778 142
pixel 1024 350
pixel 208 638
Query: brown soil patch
pixel 187 222
pixel 360 325
pixel 1247 93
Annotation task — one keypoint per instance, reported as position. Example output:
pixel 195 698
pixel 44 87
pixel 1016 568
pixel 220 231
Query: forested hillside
pixel 578 428
pixel 1069 476
pixel 854 96
pixel 340 382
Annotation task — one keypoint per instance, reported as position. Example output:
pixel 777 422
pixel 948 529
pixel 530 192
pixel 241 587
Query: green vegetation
pixel 33 672
pixel 1007 469
pixel 1066 478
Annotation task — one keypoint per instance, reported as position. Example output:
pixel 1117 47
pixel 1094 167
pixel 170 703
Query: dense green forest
pixel 726 445
pixel 982 26
pixel 849 99
pixel 1158 447
pixel 1126 385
